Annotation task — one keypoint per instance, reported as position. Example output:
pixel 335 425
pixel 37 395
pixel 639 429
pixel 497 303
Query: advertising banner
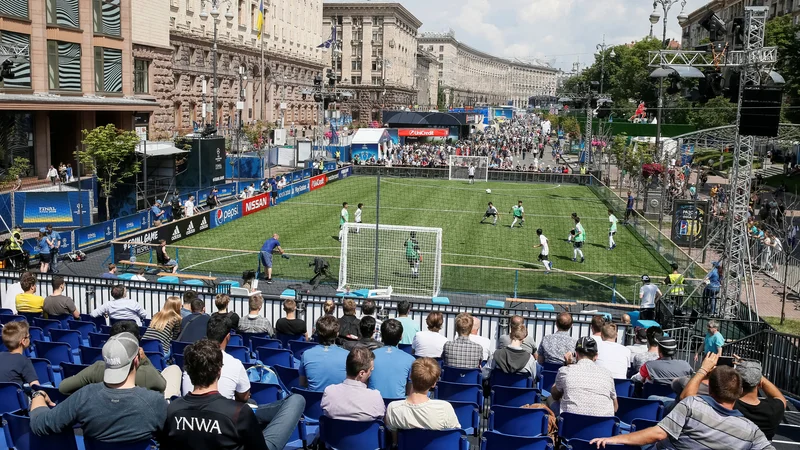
pixel 329 166
pixel 300 188
pixel 255 204
pixel 345 172
pixel 332 176
pixel 227 213
pixel 423 132
pixel 364 151
pixel 690 223
pixel 131 224
pixel 307 173
pixel 65 242
pixel 5 209
pixel 285 194
pixel 94 235
pixel 31 245
pixel 317 182
pixel 60 209
pixel 295 176
pixel 224 190
pixel 181 229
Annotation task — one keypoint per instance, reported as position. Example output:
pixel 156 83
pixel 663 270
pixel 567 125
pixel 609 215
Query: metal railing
pixel 779 354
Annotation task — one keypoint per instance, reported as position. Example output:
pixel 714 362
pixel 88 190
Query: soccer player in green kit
pixel 612 230
pixel 344 217
pixel 519 214
pixel 413 255
pixel 578 240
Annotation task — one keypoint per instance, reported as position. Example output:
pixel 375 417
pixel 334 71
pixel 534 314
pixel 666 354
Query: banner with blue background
pixel 60 209
pixel 131 224
pixel 226 214
pixel 94 235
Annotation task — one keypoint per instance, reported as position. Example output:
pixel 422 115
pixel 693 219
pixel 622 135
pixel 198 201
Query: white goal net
pixel 461 166
pixel 409 259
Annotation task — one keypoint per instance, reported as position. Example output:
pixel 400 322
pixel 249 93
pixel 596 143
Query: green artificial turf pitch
pixel 309 224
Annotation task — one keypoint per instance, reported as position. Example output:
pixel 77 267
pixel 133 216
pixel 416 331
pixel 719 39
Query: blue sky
pixel 559 31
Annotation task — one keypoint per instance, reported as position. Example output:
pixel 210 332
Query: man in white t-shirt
pixel 9 297
pixel 233 381
pixel 471 174
pixel 648 294
pixel 418 410
pixel 358 218
pixel 430 343
pixel 614 357
pixel 188 207
pixel 484 342
pixel 544 256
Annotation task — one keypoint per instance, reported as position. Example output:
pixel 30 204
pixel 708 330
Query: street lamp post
pixel 601 48
pixel 215 4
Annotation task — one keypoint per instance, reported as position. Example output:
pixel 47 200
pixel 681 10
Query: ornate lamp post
pixel 215 5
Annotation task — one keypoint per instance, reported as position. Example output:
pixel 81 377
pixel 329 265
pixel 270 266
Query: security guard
pixel 675 284
pixel 15 255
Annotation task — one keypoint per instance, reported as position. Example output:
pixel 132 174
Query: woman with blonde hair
pixel 166 324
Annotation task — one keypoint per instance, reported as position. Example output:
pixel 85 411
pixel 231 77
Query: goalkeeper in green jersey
pixel 519 214
pixel 344 217
pixel 413 255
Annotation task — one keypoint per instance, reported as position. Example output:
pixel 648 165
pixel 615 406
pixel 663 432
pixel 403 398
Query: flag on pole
pixel 260 23
pixel 331 40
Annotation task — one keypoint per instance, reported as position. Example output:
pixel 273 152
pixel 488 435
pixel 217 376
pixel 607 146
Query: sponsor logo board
pixel 255 204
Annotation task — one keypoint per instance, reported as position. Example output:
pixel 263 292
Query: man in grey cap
pixel 113 411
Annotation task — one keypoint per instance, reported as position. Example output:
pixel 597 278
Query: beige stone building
pixel 470 77
pixel 427 80
pixel 728 10
pixel 72 69
pixel 377 57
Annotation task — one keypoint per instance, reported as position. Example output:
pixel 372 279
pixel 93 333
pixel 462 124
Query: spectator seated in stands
pixel 367 330
pixel 28 302
pixel 702 421
pixel 528 344
pixel 430 343
pixel 9 298
pixel 323 365
pixel 329 308
pixel 121 308
pixel 584 387
pixel 15 367
pixel 225 423
pixel 348 323
pixel 111 274
pixel 166 324
pixel 512 358
pixel 221 301
pixel 485 343
pixel 194 326
pixel 765 412
pixel 418 410
pixel 598 320
pixel 368 309
pixel 392 365
pixel 351 399
pixel 665 369
pixel 651 335
pixel 233 382
pixel 291 325
pixel 114 411
pixel 410 327
pixel 57 304
pixel 255 322
pixel 554 346
pixel 188 296
pixel 616 358
pixel 140 272
pixel 639 341
pixel 462 353
pixel 147 376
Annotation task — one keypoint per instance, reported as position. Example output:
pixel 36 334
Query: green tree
pixel 719 111
pixel 441 99
pixel 781 33
pixel 19 168
pixel 111 154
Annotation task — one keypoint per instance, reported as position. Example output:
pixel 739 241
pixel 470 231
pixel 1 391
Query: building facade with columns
pixel 70 69
pixel 376 56
pixel 470 77
pixel 728 10
pixel 427 80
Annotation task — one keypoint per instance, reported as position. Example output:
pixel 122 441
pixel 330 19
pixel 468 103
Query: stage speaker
pixel 761 111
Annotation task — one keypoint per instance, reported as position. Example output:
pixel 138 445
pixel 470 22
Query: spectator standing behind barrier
pixel 212 201
pixel 28 302
pixel 430 343
pixel 255 322
pixel 114 411
pixel 410 327
pixel 461 352
pixel 713 341
pixel 188 207
pixel 648 295
pixel 291 325
pixel 147 376
pixel 584 387
pixel 112 272
pixel 598 320
pixel 392 365
pixel 195 325
pixel 711 291
pixel 121 308
pixel 527 344
pixel 702 421
pixel 15 367
pixel 351 399
pixel 418 410
pixel 57 304
pixel 554 346
pixel 157 214
pixel 55 241
pixel 324 365
pixel 166 324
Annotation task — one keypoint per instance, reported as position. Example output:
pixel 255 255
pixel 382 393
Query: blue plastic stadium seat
pixel 289 376
pixel 12 398
pixel 157 360
pixel 495 304
pixel 468 414
pixel 312 413
pixel 546 382
pixel 406 348
pixel 6 312
pixel 192 282
pixel 55 352
pixel 459 392
pixel 169 280
pixel 98 339
pixel 55 395
pixel 178 347
pixel 6 318
pixel 300 347
pixel 343 434
pixel 418 439
pixel 231 282
pixel 578 426
pixel 500 378
pixel 638 408
pixel 69 370
pixel 236 340
pixel 514 396
pixel 634 316
pixel 518 421
pixel 275 356
pixel 624 387
pixel 240 353
pixel 641 424
pixel 288 294
pixel 544 307
pixel 265 393
pixel 465 376
pixel 440 301
pixel 151 346
pixel 661 390
pixel 90 355
pixel 492 440
pixel 19 436
pixel 44 371
pixel 125 276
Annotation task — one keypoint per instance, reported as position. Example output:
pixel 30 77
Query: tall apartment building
pixel 377 61
pixel 470 76
pixel 728 10
pixel 426 80
pixel 74 72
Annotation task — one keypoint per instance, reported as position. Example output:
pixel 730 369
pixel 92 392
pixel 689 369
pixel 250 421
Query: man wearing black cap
pixel 583 387
pixel 664 369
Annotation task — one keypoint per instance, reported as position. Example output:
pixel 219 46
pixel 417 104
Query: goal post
pixel 409 259
pixel 459 167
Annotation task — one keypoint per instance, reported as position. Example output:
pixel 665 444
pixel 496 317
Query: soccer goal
pixel 409 259
pixel 460 167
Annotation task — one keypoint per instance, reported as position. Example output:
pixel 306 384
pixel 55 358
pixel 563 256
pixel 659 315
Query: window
pixel 141 70
pixel 355 80
pixel 14 8
pixel 107 69
pixel 376 81
pixel 441 58
pixel 242 14
pixel 441 48
pixel 63 13
pixel 20 71
pixel 355 64
pixel 107 19
pixel 64 65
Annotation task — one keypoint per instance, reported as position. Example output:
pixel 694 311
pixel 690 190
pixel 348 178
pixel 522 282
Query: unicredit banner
pixel 317 182
pixel 423 132
pixel 255 204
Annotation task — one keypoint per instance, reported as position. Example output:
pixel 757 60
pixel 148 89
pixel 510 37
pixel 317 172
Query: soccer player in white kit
pixel 491 211
pixel 358 216
pixel 544 256
pixel 612 230
pixel 471 174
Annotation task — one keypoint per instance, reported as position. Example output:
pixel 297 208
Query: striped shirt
pixel 701 422
pixel 166 336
